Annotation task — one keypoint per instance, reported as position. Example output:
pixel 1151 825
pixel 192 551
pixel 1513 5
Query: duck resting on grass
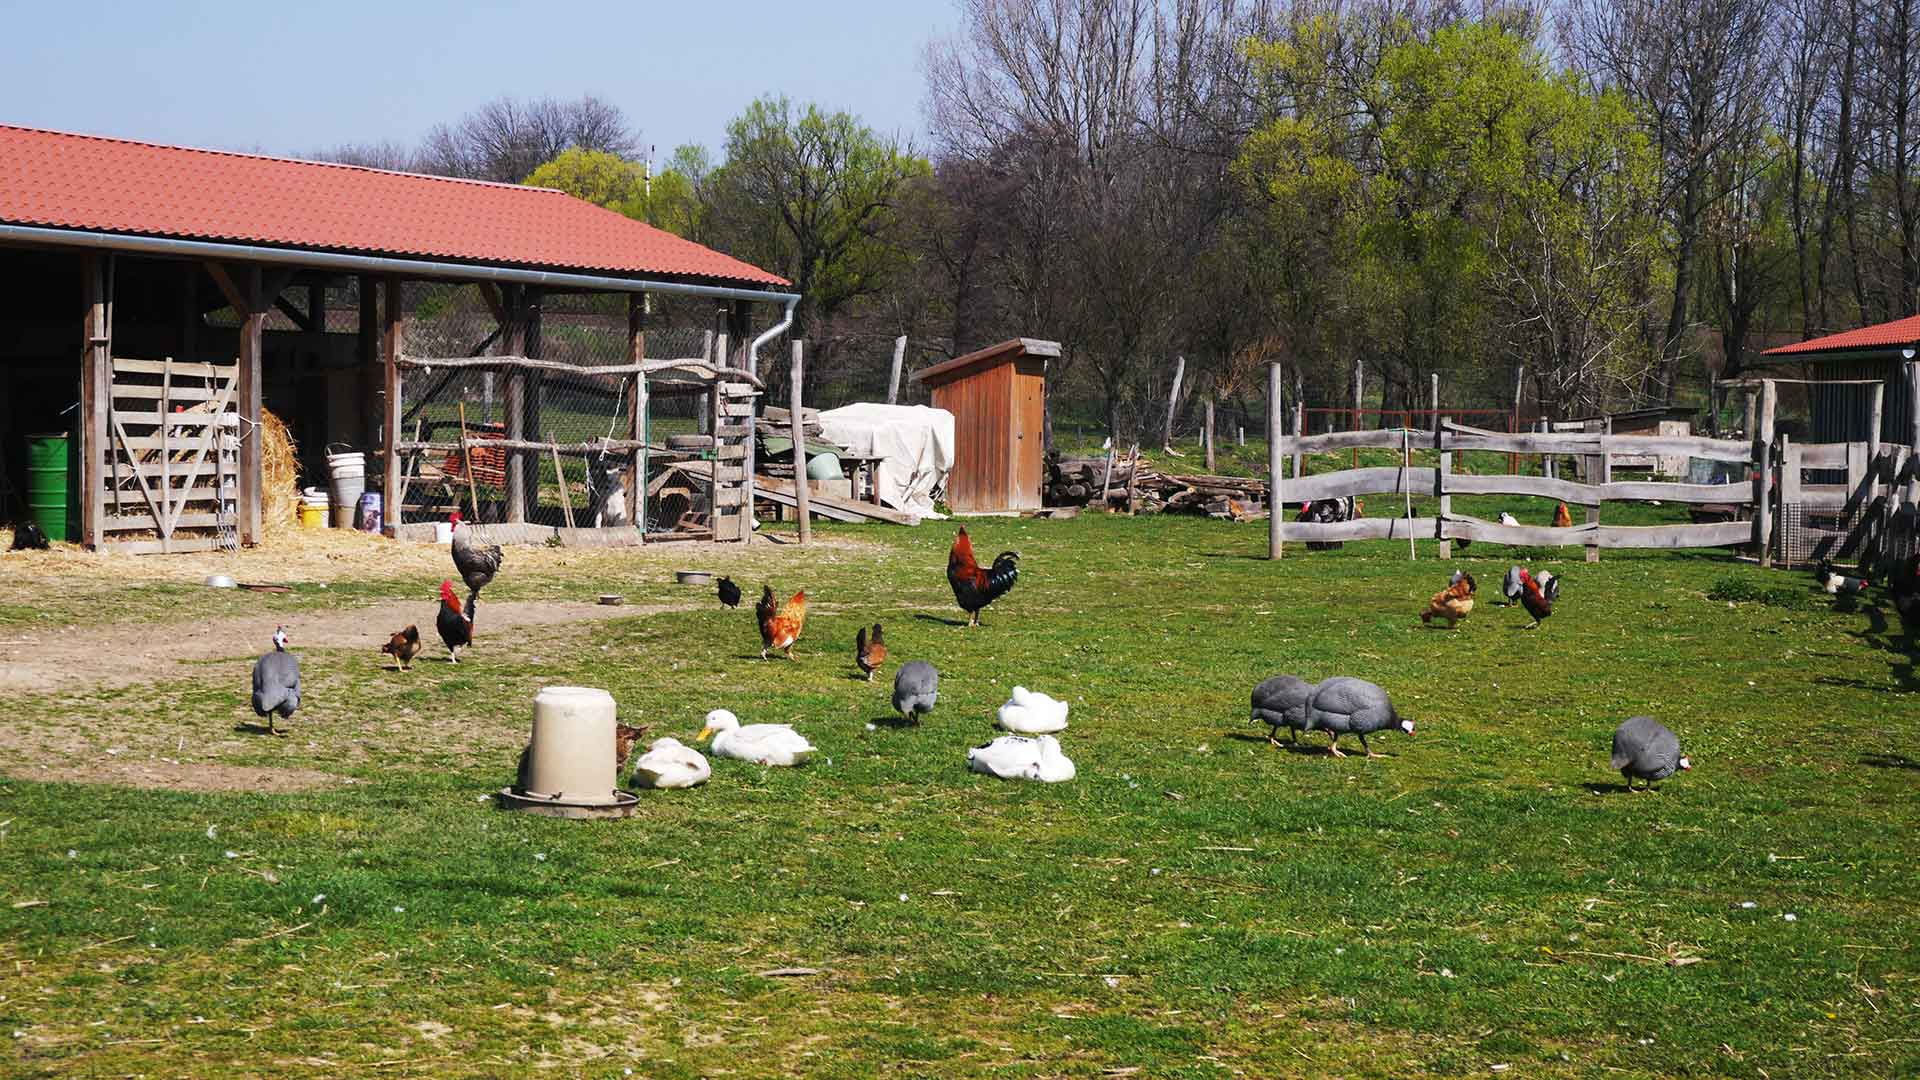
pixel 1030 712
pixel 670 763
pixel 762 744
pixel 1013 757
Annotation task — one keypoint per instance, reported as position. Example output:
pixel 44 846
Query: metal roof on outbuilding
pixel 85 182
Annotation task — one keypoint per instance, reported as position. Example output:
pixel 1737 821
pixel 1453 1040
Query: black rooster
pixel 455 626
pixel 974 588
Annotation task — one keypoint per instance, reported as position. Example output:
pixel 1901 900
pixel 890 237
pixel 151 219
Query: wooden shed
pixel 998 400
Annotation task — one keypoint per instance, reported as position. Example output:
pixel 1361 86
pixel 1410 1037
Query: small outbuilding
pixel 997 396
pixel 1839 403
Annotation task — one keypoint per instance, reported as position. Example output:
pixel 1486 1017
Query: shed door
pixel 1027 464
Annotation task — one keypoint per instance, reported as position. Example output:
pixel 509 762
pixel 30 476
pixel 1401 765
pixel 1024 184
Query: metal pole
pixel 1276 508
pixel 799 452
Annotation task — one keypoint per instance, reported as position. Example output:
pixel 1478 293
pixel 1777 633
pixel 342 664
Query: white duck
pixel 670 763
pixel 1029 712
pixel 1011 757
pixel 762 744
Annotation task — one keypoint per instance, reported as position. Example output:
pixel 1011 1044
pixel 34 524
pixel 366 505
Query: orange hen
pixel 780 629
pixel 1453 603
pixel 1562 519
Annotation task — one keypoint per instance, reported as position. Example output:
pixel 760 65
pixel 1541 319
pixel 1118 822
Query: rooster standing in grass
pixel 974 588
pixel 780 629
pixel 1539 604
pixel 455 626
pixel 476 564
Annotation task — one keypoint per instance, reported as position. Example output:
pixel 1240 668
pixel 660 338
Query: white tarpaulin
pixel 913 442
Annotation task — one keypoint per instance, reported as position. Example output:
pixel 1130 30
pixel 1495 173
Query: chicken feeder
pixel 569 769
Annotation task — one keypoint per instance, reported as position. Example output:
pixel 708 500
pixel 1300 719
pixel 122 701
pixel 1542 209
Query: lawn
pixel 1483 900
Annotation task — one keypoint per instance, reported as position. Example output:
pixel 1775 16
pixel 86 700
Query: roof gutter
pixel 377 264
pixel 1871 352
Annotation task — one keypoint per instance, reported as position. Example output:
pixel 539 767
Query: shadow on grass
pixel 924 617
pixel 1606 789
pixel 1889 761
pixel 895 721
pixel 258 727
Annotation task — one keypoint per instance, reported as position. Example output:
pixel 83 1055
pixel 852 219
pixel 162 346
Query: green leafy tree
pixel 600 178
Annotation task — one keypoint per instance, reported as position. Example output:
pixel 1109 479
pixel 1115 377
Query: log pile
pixel 1078 481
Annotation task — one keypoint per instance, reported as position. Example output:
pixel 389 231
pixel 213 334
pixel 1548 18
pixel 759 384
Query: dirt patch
pixel 163 774
pixel 119 655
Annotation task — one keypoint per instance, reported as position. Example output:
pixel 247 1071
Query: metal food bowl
pixel 612 599
pixel 694 577
pixel 221 581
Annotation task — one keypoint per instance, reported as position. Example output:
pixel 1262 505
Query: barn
pixel 154 299
pixel 1844 366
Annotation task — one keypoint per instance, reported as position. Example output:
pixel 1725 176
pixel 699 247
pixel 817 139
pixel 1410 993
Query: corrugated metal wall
pixel 1839 413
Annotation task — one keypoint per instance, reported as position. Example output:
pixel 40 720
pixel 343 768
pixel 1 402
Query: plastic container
pixel 823 467
pixel 368 518
pixel 314 505
pixel 47 489
pixel 346 482
pixel 573 746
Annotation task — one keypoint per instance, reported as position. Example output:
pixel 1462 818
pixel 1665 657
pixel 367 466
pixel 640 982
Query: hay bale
pixel 279 478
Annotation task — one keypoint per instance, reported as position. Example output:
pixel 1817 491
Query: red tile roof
pixel 1884 335
pixel 57 179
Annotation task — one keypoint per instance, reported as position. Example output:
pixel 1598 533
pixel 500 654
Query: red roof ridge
pixel 281 158
pixel 1894 333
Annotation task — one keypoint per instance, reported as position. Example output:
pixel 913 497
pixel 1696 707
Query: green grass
pixel 1194 904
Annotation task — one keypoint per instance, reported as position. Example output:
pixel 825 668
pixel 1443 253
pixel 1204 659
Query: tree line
pixel 1604 199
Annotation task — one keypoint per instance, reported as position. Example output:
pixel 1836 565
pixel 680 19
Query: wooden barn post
pixel 1913 432
pixel 637 413
pixel 1440 480
pixel 1605 469
pixel 253 320
pixel 390 424
pixel 368 351
pixel 1276 515
pixel 1359 392
pixel 513 343
pixel 800 482
pixel 96 390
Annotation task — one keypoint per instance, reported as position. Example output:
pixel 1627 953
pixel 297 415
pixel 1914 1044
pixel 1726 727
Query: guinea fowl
pixel 729 592
pixel 276 682
pixel 476 564
pixel 1349 706
pixel 1511 588
pixel 869 652
pixel 455 626
pixel 1281 702
pixel 403 646
pixel 974 588
pixel 1644 749
pixel 916 687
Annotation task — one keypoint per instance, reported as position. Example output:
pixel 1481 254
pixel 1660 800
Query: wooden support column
pixel 800 481
pixel 1763 477
pixel 96 390
pixel 1913 430
pixel 899 358
pixel 513 343
pixel 532 393
pixel 390 424
pixel 1359 393
pixel 1299 431
pixel 1208 436
pixel 367 346
pixel 253 318
pixel 1276 509
pixel 637 413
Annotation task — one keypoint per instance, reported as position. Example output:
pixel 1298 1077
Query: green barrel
pixel 47 466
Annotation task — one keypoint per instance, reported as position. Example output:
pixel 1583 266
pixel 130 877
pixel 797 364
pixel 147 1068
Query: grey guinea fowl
pixel 276 682
pixel 1511 588
pixel 916 686
pixel 1281 702
pixel 1644 749
pixel 1349 706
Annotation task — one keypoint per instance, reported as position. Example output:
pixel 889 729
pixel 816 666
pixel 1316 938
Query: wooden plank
pixel 730 453
pixel 1440 475
pixel 781 491
pixel 1380 528
pixel 732 431
pixel 1824 455
pixel 1523 443
pixel 1713 534
pixel 1380 480
pixel 1792 460
pixel 152 393
pixel 130 522
pixel 394 500
pixel 535 445
pixel 735 407
pixel 730 474
pixel 510 361
pixel 1604 465
pixel 801 487
pixel 247 393
pixel 177 545
pixel 187 369
pixel 173 420
pixel 1579 494
pixel 1340 440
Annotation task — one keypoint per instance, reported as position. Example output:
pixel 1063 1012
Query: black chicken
pixel 455 626
pixel 729 592
pixel 974 588
pixel 28 537
pixel 1904 586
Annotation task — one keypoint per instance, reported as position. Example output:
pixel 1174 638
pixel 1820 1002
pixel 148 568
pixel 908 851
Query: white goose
pixel 762 744
pixel 670 763
pixel 1029 712
pixel 1011 757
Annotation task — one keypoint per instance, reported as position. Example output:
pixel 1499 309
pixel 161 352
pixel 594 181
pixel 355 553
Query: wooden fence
pixel 1873 513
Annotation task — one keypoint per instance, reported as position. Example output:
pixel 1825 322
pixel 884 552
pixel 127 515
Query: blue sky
pixel 291 77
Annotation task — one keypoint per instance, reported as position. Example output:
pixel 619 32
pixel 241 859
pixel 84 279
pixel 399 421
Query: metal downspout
pixel 753 368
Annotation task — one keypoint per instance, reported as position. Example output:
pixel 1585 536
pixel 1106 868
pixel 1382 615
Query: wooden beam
pixel 96 392
pixel 295 315
pixel 1277 510
pixel 800 480
pixel 1380 480
pixel 1441 475
pixel 253 319
pixel 513 343
pixel 1173 401
pixel 637 405
pixel 391 345
pixel 236 297
pixel 1207 434
pixel 1603 463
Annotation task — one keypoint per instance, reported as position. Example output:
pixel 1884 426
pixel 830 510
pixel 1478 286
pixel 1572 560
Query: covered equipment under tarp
pixel 913 442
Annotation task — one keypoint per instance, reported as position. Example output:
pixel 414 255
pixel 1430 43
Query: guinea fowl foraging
pixel 1349 706
pixel 455 626
pixel 974 588
pixel 869 652
pixel 403 646
pixel 916 687
pixel 1644 749
pixel 276 682
pixel 1511 587
pixel 729 592
pixel 477 564
pixel 1281 702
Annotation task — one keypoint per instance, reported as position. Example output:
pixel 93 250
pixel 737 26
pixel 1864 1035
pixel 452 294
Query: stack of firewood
pixel 1132 483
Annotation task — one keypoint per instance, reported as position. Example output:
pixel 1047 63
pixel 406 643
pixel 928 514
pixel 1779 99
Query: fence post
pixel 1440 480
pixel 1913 430
pixel 390 435
pixel 1763 480
pixel 1604 471
pixel 1519 387
pixel 1208 435
pixel 1276 509
pixel 637 415
pixel 800 482
pixel 1359 392
pixel 1173 402
pixel 899 358
pixel 703 418
pixel 1299 430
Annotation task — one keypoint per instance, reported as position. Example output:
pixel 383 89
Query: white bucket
pixel 347 481
pixel 443 532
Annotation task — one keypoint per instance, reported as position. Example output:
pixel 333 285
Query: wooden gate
pixel 173 456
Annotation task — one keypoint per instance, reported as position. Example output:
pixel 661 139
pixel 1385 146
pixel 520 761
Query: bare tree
pixel 377 155
pixel 507 138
